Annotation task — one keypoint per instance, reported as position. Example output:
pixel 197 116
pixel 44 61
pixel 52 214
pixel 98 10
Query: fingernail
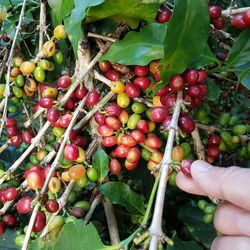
pixel 201 166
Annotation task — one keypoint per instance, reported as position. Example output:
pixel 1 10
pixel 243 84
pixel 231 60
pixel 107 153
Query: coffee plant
pixel 102 103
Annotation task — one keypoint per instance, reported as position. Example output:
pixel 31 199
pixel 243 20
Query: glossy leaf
pixel 74 31
pixel 121 194
pixel 213 90
pixel 60 9
pixel 72 236
pixel 186 36
pixel 124 11
pixel 81 8
pixel 240 52
pixel 139 47
pixel 204 59
pixel 200 231
pixel 7 241
pixel 101 163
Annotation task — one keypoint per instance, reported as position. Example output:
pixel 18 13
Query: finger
pixel 231 184
pixel 231 243
pixel 187 184
pixel 232 220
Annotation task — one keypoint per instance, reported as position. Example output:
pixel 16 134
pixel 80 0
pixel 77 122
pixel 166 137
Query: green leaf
pixel 240 52
pixel 204 59
pixel 74 31
pixel 101 163
pixel 243 74
pixel 81 7
pixel 7 241
pixel 201 232
pixel 213 90
pixel 242 3
pixel 73 236
pixel 121 194
pixel 139 47
pixel 186 36
pixel 180 245
pixel 124 11
pixel 60 9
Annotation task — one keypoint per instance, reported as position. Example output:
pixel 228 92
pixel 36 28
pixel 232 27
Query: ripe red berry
pixel 109 141
pixel 16 140
pixel 132 90
pixel 113 109
pixel 23 206
pixel 104 66
pixel 5 38
pixel 53 115
pixel 121 151
pixel 141 70
pixel 219 23
pixel 246 17
pixel 138 135
pixel 164 14
pixel 191 76
pixel 64 82
pixel 143 126
pixel 113 122
pixel 238 22
pixel 112 75
pixel 10 122
pixel 177 83
pixel 2 228
pixel 214 11
pixel 51 206
pixel 194 90
pixel 105 130
pixel 9 220
pixel 153 142
pixel 92 98
pixel 71 152
pixel 213 152
pixel 168 100
pixel 64 120
pixel 10 194
pixel 100 118
pixel 202 75
pixel 80 92
pixel 159 114
pixel 12 131
pixel 142 82
pixel 115 166
pixel 46 102
pixel 40 222
pixel 214 140
pixel 162 92
pixel 186 167
pixel 186 124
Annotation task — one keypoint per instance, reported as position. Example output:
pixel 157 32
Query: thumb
pixel 231 184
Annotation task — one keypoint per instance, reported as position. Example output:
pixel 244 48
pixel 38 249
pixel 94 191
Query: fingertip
pixel 187 184
pixel 198 167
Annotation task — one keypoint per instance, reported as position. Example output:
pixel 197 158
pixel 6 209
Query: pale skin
pixel 232 218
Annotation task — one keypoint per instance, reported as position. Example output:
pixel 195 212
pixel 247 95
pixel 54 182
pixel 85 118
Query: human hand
pixel 232 185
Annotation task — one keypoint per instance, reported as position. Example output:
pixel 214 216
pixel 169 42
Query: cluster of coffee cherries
pixel 25 75
pixel 239 21
pixel 208 209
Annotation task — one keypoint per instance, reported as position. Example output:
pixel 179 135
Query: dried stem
pixel 199 148
pixel 105 38
pixel 5 57
pixel 4 146
pixel 209 129
pixel 232 12
pixel 92 208
pixel 33 117
pixel 111 220
pixel 9 63
pixel 155 228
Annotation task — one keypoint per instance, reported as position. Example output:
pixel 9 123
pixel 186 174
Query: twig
pixel 111 220
pixel 209 129
pixel 92 208
pixel 4 146
pixel 9 63
pixel 199 148
pixel 105 38
pixel 94 110
pixel 155 228
pixel 232 12
pixel 62 202
pixel 52 169
pixel 33 117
